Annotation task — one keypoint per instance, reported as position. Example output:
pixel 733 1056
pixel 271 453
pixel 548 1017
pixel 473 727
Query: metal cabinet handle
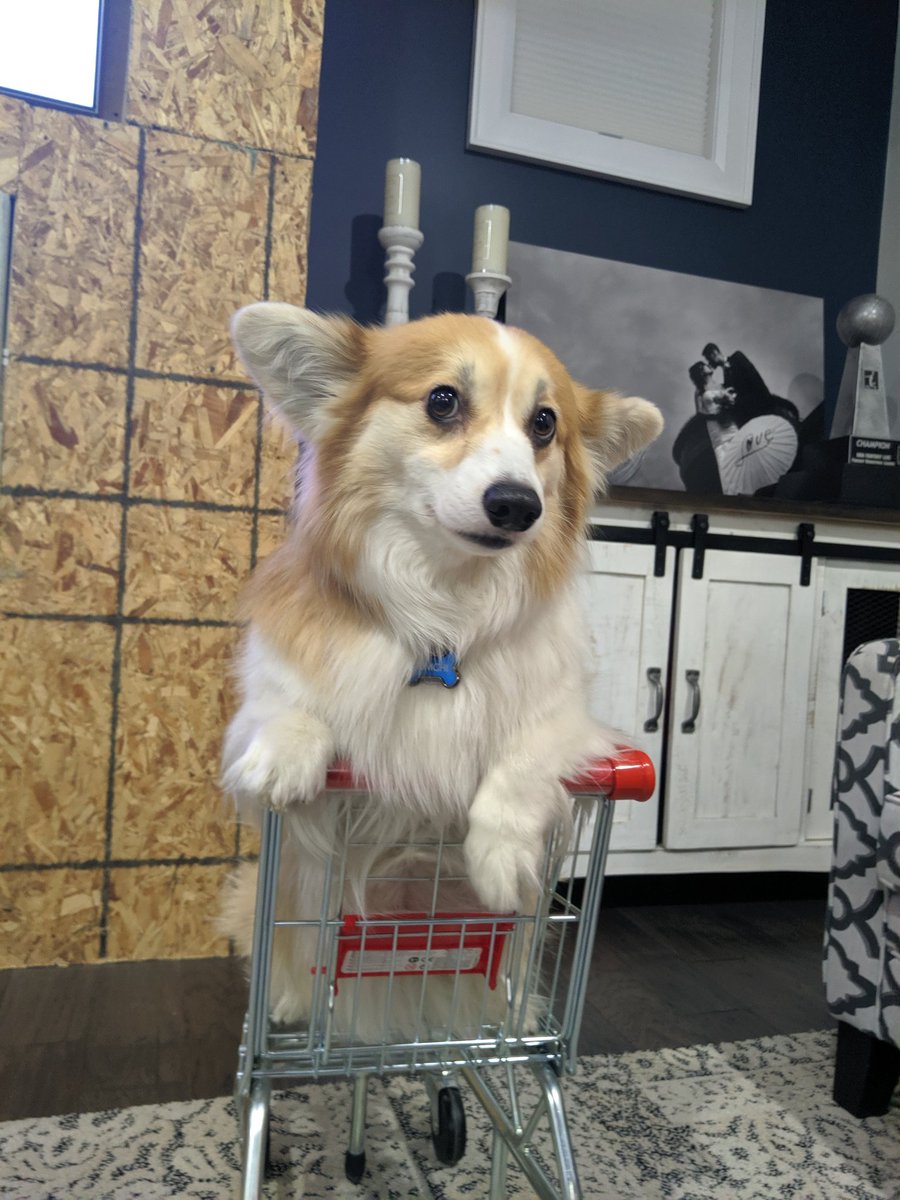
pixel 654 678
pixel 693 682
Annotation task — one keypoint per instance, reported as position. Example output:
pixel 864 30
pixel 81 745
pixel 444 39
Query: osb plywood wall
pixel 139 480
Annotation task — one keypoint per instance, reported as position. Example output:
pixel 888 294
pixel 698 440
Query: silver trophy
pixel 864 414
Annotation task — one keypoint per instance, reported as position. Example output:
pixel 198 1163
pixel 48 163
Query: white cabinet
pixel 740 681
pixel 749 663
pixel 629 613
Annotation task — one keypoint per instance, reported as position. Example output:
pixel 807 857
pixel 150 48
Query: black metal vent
pixel 870 614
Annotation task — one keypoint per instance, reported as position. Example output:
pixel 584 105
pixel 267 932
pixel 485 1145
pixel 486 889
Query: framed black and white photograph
pixel 736 370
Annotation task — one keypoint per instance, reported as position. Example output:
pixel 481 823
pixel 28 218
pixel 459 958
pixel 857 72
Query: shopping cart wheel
pixel 355 1166
pixel 449 1137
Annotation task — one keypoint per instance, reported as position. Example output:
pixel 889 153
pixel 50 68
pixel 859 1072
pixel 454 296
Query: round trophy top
pixel 868 319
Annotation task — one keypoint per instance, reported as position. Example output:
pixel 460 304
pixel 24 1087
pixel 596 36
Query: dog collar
pixel 440 668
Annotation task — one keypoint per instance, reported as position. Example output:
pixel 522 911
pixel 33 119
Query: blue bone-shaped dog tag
pixel 441 668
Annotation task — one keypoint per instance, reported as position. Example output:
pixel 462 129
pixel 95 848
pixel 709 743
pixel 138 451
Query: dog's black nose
pixel 511 506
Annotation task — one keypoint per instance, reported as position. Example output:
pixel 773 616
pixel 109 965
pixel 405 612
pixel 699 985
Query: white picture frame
pixel 723 174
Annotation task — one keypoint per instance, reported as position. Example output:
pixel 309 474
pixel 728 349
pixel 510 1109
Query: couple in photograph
pixel 742 438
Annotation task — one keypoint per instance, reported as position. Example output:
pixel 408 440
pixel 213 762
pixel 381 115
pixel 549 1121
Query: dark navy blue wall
pixel 395 81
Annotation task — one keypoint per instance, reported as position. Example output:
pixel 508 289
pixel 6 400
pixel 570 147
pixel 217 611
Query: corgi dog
pixel 445 475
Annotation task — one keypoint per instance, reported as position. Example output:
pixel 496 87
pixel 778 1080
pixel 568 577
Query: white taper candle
pixel 491 241
pixel 402 181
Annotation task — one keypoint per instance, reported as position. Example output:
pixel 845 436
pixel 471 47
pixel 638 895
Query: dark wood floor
pixel 704 961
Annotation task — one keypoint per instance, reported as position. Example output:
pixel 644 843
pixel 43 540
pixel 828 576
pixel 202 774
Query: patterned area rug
pixel 743 1120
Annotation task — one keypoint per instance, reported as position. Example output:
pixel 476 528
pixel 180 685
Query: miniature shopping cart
pixel 435 992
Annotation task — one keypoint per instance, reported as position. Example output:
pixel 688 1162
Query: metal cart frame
pixel 545 952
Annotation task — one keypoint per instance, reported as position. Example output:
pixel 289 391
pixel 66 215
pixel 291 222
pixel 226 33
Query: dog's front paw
pixel 493 865
pixel 285 763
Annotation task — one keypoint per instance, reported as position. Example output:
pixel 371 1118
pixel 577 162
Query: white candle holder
pixel 488 288
pixel 400 242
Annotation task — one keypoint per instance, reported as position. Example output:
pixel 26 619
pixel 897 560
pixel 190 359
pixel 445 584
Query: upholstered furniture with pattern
pixel 862 935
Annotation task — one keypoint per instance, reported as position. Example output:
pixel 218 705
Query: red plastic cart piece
pixel 450 943
pixel 342 778
pixel 629 776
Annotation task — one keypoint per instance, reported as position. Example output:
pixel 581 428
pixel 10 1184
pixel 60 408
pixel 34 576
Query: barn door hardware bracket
pixel 806 534
pixel 700 528
pixel 659 523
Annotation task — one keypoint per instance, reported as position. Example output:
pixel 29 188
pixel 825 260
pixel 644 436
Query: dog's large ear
pixel 299 359
pixel 616 427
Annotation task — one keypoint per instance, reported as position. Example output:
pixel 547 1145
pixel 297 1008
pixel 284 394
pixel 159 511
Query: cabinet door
pixel 741 669
pixel 629 612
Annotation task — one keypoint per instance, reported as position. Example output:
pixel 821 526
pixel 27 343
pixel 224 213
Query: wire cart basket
pixel 433 986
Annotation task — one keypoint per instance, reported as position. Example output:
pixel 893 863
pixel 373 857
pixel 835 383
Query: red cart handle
pixel 630 775
pixel 627 776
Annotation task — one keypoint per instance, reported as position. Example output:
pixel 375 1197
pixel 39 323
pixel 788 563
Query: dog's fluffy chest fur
pixel 426 745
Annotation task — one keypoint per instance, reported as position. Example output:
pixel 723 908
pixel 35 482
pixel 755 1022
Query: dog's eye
pixel 544 425
pixel 443 403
